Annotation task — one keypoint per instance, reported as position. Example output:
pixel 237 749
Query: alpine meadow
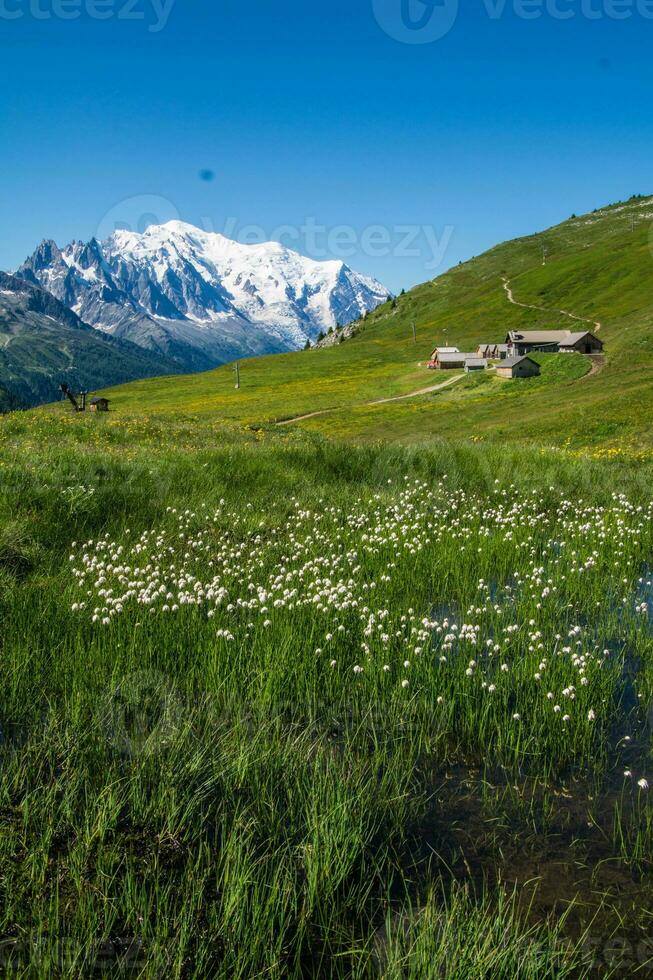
pixel 347 671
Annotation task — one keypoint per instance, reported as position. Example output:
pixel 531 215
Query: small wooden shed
pixel 448 361
pixel 475 364
pixel 437 353
pixel 518 367
pixel 99 405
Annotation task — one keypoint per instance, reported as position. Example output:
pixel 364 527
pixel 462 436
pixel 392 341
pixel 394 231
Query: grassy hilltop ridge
pixel 598 266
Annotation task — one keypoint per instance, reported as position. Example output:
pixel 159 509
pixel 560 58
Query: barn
pixel 518 367
pixel 582 343
pixel 522 342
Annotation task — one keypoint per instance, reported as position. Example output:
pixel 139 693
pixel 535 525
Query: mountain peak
pixel 166 229
pixel 178 227
pixel 47 252
pixel 177 288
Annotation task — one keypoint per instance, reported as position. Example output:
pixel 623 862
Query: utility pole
pixel 414 332
pixel 237 370
pixel 632 222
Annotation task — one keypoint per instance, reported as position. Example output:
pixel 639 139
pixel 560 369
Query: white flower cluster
pixel 344 566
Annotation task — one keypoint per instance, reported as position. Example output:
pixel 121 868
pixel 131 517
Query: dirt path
pixel 415 394
pixel 310 415
pixel 379 401
pixel 598 363
pixel 546 309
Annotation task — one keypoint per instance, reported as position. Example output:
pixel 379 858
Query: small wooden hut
pixel 99 405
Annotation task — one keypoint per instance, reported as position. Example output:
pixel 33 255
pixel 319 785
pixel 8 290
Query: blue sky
pixel 402 158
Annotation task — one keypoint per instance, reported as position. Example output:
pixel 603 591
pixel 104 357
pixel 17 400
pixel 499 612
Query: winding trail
pixel 378 401
pixel 598 360
pixel 415 394
pixel 598 363
pixel 310 415
pixel 546 309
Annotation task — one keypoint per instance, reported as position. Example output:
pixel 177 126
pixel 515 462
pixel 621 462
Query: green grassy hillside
pixel 598 266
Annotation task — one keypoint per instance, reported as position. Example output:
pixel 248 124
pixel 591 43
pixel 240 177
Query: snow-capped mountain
pixel 199 297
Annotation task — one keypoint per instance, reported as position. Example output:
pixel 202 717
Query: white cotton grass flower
pixel 320 563
pixel 642 783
